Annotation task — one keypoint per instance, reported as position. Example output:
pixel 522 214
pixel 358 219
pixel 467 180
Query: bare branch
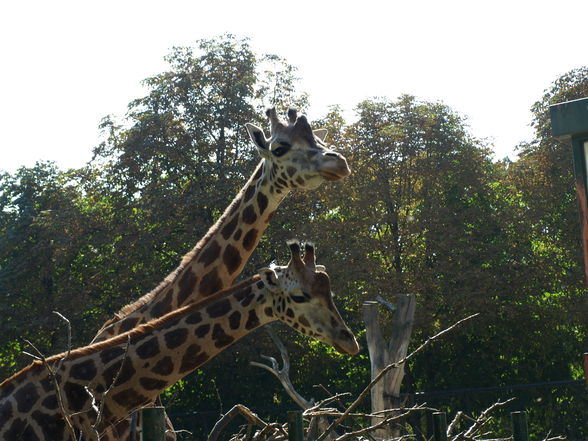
pixel 453 424
pixel 236 410
pixel 107 392
pixel 53 379
pixel 66 320
pixel 385 421
pixel 283 374
pixel 382 301
pixel 479 422
pixel 366 391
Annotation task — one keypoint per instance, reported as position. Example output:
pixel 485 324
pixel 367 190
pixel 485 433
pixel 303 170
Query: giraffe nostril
pixel 346 334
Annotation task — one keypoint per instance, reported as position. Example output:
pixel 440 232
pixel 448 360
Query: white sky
pixel 66 64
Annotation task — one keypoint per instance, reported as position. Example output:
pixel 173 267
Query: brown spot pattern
pixel 235 320
pixel 202 330
pixel 50 402
pixel 218 309
pixel 194 318
pixel 249 193
pixel 192 358
pixel 244 292
pixel 152 383
pixel 186 284
pixel 232 258
pixel 252 320
pixel 304 321
pixel 249 215
pixel 76 396
pixel 26 397
pixel 125 375
pixel 262 202
pixel 52 426
pixel 228 229
pixel 129 398
pixel 210 283
pixel 176 338
pixel 250 239
pixel 148 349
pixel 86 370
pixel 221 339
pixel 164 366
pixel 210 254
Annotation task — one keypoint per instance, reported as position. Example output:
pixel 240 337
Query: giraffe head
pixel 302 298
pixel 299 156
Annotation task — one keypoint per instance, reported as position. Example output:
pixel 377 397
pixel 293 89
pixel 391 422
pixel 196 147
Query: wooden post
pixel 295 428
pixel 519 426
pixel 385 351
pixel 153 426
pixel 569 123
pixel 439 426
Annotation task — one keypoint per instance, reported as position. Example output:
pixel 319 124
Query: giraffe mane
pixel 170 278
pixel 140 330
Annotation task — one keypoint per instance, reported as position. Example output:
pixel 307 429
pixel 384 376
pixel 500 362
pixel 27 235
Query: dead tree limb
pixel 384 351
pixel 283 374
pixel 235 411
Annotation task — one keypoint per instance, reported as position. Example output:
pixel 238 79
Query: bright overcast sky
pixel 65 65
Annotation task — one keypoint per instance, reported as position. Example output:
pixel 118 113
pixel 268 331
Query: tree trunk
pixel 386 393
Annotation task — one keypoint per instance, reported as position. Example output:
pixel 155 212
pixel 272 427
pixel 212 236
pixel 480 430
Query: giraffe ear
pixel 258 138
pixel 320 133
pixel 269 277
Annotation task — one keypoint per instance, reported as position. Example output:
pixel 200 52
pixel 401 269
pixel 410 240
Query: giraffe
pixel 130 370
pixel 294 157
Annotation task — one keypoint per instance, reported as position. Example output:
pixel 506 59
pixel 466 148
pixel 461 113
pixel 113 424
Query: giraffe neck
pixel 217 259
pixel 143 361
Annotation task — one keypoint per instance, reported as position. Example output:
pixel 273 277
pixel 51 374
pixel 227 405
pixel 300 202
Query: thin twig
pixel 66 320
pixel 382 423
pixel 105 394
pixel 394 365
pixel 53 378
pixel 480 421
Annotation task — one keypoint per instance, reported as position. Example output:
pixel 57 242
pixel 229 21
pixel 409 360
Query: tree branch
pixel 366 391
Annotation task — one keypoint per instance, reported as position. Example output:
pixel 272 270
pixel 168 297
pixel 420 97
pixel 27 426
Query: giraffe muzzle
pixel 335 168
pixel 346 343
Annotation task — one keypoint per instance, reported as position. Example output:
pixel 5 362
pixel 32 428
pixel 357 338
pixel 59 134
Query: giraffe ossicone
pixel 127 372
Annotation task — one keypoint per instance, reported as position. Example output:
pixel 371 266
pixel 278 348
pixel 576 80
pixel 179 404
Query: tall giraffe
pixel 130 370
pixel 294 157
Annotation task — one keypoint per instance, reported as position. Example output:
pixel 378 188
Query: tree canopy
pixel 427 210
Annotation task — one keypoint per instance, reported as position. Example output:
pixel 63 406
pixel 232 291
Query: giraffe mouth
pixel 352 349
pixel 328 175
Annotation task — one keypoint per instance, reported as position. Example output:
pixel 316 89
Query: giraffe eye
pixel 281 150
pixel 298 299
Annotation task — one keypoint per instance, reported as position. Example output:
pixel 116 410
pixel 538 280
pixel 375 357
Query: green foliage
pixel 426 210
